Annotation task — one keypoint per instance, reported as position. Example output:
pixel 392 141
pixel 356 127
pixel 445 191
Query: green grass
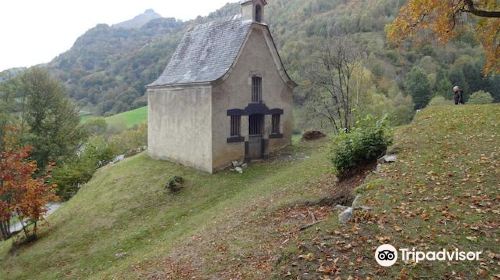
pixel 130 118
pixel 441 193
pixel 126 119
pixel 125 209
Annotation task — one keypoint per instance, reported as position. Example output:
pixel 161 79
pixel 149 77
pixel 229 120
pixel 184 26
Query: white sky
pixel 36 31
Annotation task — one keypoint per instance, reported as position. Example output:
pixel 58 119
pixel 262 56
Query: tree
pixel 446 20
pixel 331 75
pixel 443 86
pixel 52 121
pixel 480 97
pixel 418 86
pixel 457 78
pixel 20 192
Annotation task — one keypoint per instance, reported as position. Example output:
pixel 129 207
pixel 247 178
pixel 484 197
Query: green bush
pixel 365 143
pixel 175 184
pixel 97 152
pixel 480 97
pixel 440 101
pixel 80 169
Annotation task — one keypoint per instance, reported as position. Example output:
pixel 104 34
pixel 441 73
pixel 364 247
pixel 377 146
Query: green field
pixel 126 119
pixel 442 192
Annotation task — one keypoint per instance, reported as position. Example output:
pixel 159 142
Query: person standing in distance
pixel 458 95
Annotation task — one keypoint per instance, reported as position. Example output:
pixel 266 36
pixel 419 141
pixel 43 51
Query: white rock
pixel 118 158
pixel 346 215
pixel 239 170
pixel 390 158
pixel 355 202
pixel 341 207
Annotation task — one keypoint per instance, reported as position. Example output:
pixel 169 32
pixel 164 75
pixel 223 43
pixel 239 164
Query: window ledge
pixel 275 136
pixel 235 139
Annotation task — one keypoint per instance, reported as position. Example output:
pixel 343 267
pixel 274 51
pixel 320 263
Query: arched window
pixel 258 13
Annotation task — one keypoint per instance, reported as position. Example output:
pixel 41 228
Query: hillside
pixel 108 67
pixel 126 119
pixel 124 225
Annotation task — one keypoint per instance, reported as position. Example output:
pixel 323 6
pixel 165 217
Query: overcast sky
pixel 36 31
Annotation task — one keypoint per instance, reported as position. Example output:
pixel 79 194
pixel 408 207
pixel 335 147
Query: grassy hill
pixel 127 119
pixel 442 192
pixel 130 118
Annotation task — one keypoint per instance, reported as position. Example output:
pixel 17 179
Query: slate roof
pixel 206 52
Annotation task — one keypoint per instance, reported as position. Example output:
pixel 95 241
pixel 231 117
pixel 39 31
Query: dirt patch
pixel 342 191
pixel 354 174
pixel 313 135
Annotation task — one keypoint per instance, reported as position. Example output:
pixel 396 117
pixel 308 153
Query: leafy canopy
pixel 446 20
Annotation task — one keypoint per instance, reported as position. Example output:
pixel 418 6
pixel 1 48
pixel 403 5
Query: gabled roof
pixel 206 52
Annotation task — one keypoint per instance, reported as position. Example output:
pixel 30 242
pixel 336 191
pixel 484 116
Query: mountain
pixel 108 67
pixel 138 21
pixel 10 73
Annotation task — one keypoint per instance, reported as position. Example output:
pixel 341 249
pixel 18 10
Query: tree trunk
pixel 5 229
pixel 25 229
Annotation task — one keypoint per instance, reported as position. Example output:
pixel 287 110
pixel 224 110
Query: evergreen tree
pixel 418 86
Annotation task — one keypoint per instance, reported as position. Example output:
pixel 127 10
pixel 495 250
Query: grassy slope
pixel 442 193
pixel 124 209
pixel 127 119
pixel 123 225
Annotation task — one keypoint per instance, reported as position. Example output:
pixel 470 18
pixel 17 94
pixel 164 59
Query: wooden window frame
pixel 258 13
pixel 275 124
pixel 276 127
pixel 256 89
pixel 235 129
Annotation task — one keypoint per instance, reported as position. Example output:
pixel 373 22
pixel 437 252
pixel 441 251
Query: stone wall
pixel 235 93
pixel 180 127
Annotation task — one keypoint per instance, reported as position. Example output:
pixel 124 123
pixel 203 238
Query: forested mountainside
pixel 108 67
pixel 10 73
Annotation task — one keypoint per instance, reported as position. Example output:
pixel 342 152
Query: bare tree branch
pixel 471 9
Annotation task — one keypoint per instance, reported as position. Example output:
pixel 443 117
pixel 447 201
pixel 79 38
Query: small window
pixel 276 124
pixel 256 89
pixel 235 125
pixel 258 13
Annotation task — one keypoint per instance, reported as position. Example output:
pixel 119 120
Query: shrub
pixel 97 152
pixel 365 143
pixel 175 184
pixel 480 97
pixel 440 101
pixel 79 170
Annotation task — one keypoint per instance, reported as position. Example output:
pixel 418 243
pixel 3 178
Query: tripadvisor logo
pixel 386 255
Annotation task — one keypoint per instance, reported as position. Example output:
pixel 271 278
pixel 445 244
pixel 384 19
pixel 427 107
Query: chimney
pixel 253 10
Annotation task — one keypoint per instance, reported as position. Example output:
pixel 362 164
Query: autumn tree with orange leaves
pixel 21 194
pixel 447 19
